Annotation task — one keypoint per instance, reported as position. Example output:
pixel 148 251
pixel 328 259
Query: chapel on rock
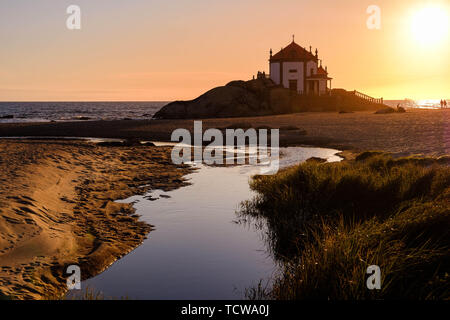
pixel 298 69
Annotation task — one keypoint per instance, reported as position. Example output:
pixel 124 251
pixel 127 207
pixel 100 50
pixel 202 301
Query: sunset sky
pixel 177 49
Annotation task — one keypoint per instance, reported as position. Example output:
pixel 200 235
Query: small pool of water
pixel 197 250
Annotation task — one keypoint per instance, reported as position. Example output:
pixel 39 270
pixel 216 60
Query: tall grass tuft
pixel 329 222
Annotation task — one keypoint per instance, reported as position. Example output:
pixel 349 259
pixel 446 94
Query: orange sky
pixel 168 50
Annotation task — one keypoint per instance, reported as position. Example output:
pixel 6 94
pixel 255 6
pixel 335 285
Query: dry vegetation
pixel 329 222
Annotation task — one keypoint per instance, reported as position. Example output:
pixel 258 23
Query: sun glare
pixel 430 25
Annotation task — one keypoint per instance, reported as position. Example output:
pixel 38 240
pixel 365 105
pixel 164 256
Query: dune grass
pixel 328 222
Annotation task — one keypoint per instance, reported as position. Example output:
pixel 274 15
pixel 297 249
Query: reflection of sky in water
pixel 197 251
pixel 429 103
pixel 420 104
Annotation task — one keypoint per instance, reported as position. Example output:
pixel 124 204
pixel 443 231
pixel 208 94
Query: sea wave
pixel 80 111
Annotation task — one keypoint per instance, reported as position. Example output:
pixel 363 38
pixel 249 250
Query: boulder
pixel 81 118
pixel 385 110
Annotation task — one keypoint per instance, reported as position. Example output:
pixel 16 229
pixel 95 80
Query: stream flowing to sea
pixel 198 250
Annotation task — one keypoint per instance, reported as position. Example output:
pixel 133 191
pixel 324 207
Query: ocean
pixel 419 104
pixel 69 111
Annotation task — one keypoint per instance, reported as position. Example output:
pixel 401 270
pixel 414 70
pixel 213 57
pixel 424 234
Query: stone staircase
pixel 368 98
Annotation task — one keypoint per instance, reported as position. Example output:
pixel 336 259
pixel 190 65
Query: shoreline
pixel 414 132
pixel 65 212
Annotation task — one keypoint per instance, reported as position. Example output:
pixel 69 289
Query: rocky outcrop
pixel 260 97
pixel 236 99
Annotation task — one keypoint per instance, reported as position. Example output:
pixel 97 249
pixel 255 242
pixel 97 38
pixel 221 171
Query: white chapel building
pixel 298 69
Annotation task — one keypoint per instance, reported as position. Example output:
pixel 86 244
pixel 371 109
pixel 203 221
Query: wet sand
pixel 57 208
pixel 413 132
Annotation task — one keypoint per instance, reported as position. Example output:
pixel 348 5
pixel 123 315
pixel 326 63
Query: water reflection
pixel 200 249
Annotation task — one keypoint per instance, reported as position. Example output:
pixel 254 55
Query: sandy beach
pixel 57 196
pixel 57 208
pixel 413 132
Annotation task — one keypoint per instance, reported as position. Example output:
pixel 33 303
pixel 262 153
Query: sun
pixel 429 25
